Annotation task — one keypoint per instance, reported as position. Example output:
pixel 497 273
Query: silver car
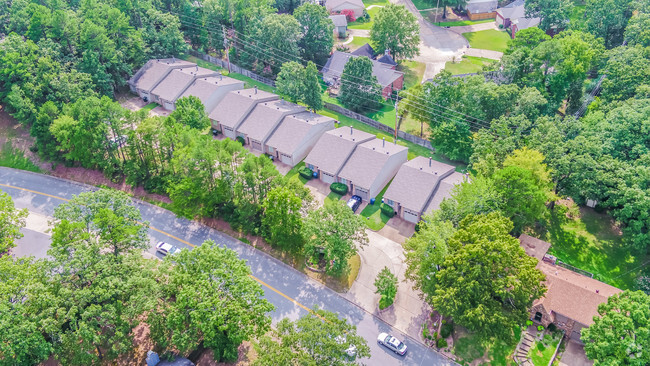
pixel 392 343
pixel 165 248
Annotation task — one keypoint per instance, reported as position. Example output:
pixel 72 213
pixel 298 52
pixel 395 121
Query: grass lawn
pixel 293 173
pixel 423 4
pixel 150 106
pixel 358 42
pixel 413 72
pixel 374 218
pixel 368 3
pixel 468 65
pixel 365 25
pixel 463 22
pixel 471 347
pixel 331 198
pixel 591 241
pixel 540 354
pixel 15 158
pixel 488 40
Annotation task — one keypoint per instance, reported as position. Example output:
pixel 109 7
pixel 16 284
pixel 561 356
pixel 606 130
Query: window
pixel 310 166
pixel 389 202
pixel 538 316
pixel 343 181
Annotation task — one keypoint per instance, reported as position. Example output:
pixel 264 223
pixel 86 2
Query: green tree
pixel 627 70
pixel 487 282
pixel 23 340
pixel 162 35
pixel 533 161
pixel 360 90
pixel 553 13
pixel 291 81
pixel 318 338
pixel 453 139
pixel 620 335
pixel 637 31
pixel 284 207
pixel 527 39
pixel 11 221
pixel 209 299
pixel 333 234
pixel 317 29
pixel 278 35
pixel 396 29
pixel 190 112
pixel 524 201
pixel 473 197
pixel 312 95
pixel 607 19
pixel 386 285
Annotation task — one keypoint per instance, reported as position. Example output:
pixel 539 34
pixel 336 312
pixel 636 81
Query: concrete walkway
pixel 409 311
pixel 474 27
pixel 476 52
pixel 359 32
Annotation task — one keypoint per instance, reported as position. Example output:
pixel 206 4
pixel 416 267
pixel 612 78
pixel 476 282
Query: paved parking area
pixel 574 355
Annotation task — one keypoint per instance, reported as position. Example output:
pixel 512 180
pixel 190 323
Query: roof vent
pixel 383 142
pixel 197 68
pixel 434 173
pixel 373 148
pixel 340 135
pixel 420 168
pixel 387 153
pixel 353 139
pixel 255 89
pixel 429 161
pixel 350 130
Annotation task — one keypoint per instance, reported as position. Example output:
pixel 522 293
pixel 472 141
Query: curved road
pixel 292 292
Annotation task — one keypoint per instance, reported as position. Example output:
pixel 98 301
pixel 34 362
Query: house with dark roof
pixel 340 25
pixel 372 165
pixel 175 83
pixel 296 135
pixel 571 300
pixel 415 185
pixel 262 121
pixel 481 9
pixel 152 73
pixel 388 78
pixel 336 6
pixel 333 150
pixel 212 89
pixel 235 107
pixel 365 50
pixel 513 16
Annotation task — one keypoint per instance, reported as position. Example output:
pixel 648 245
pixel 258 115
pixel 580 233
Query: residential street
pixel 289 290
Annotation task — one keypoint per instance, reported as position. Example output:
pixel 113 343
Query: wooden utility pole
pixel 227 46
pixel 396 117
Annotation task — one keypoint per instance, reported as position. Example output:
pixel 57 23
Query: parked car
pixel 354 203
pixel 351 351
pixel 165 248
pixel 392 343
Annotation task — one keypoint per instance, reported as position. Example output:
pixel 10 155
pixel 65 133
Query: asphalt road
pixel 290 291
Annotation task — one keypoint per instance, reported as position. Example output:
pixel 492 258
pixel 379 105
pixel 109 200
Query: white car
pixel 391 343
pixel 351 351
pixel 165 248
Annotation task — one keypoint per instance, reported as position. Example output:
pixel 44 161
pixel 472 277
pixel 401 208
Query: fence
pixel 234 68
pixel 333 107
pixel 575 269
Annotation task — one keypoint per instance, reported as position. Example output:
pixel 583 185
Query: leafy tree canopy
pixel 396 29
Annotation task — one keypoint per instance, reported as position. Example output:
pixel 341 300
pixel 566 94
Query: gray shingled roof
pixel 354 4
pixel 237 104
pixel 444 191
pixel 365 50
pixel 265 117
pixel 203 88
pixel 481 6
pixel 514 10
pixel 339 20
pixel 178 80
pixel 368 160
pixel 334 68
pixel 293 129
pixel 147 77
pixel 387 59
pixel 334 147
pixel 524 23
pixel 416 181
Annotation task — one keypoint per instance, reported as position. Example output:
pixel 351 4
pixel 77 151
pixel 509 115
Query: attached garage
pixel 229 132
pixel 410 216
pixel 256 145
pixel 326 177
pixel 168 106
pixel 363 193
pixel 286 159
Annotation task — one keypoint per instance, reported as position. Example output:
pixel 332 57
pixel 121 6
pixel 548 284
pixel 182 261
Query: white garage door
pixel 411 216
pixel 229 132
pixel 169 106
pixel 286 159
pixel 326 178
pixel 361 193
pixel 256 145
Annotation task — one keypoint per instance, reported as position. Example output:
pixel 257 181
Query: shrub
pixel 387 210
pixel 552 327
pixel 540 328
pixel 241 140
pixel 529 323
pixel 339 188
pixel 306 173
pixel 349 15
pixel 441 343
pixel 386 284
pixel 446 329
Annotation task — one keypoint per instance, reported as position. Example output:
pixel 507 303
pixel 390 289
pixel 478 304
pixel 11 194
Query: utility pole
pixel 227 46
pixel 437 8
pixel 396 117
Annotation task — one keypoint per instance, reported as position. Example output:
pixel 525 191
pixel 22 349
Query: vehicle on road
pixel 351 351
pixel 354 202
pixel 392 343
pixel 165 248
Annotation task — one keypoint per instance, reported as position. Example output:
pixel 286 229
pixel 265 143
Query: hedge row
pixel 306 173
pixel 387 210
pixel 339 188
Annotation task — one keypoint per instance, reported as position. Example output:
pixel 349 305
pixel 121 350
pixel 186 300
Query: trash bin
pixel 372 201
pixel 315 174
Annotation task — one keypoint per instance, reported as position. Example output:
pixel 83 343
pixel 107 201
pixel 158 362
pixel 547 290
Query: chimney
pixel 255 89
pixel 387 52
pixel 429 161
pixel 383 142
pixel 173 59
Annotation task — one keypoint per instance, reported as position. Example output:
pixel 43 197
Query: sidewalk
pixel 474 27
pixel 408 311
pixel 476 52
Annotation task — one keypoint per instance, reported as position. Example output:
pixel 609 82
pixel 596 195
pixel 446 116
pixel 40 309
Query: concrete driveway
pixel 574 355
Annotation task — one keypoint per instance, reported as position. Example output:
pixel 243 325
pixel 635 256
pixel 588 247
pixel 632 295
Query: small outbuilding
pixel 337 6
pixel 481 9
pixel 258 126
pixel 296 135
pixel 372 165
pixel 235 107
pixel 340 25
pixel 333 150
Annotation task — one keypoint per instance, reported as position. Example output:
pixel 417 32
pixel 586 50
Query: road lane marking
pixel 180 240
